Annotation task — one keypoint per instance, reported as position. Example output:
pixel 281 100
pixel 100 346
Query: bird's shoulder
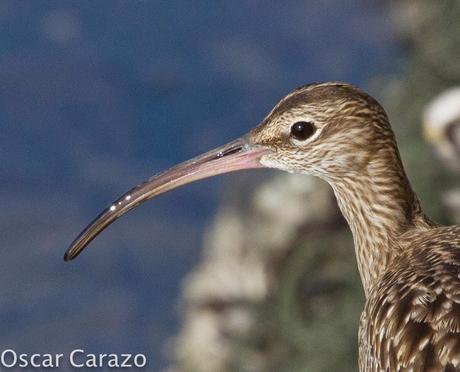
pixel 411 319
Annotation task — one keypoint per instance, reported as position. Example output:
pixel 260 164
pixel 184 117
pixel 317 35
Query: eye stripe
pixel 302 130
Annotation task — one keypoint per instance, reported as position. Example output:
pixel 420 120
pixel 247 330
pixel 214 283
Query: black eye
pixel 302 130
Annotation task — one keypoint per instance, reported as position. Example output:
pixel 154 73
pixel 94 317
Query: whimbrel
pixel 409 265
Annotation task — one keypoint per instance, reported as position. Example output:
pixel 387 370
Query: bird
pixel 409 265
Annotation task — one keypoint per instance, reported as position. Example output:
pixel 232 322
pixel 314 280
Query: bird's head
pixel 326 129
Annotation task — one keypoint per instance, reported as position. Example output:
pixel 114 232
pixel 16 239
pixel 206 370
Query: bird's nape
pixel 237 155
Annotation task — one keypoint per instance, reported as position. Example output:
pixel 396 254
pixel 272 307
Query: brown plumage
pixel 409 266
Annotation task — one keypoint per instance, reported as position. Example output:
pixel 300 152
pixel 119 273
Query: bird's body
pixel 409 266
pixel 411 320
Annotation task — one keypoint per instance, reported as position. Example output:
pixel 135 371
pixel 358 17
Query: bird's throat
pixel 380 206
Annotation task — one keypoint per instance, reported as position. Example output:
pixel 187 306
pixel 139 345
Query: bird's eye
pixel 302 130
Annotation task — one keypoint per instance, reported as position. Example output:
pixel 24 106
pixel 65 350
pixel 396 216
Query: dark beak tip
pixel 68 257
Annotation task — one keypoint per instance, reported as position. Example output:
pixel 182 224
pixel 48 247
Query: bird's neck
pixel 379 205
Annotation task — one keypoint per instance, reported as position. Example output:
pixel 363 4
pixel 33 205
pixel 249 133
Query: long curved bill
pixel 236 155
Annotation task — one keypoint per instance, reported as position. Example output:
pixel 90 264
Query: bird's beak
pixel 236 155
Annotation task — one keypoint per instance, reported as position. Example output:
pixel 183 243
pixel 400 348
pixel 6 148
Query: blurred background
pixel 247 272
